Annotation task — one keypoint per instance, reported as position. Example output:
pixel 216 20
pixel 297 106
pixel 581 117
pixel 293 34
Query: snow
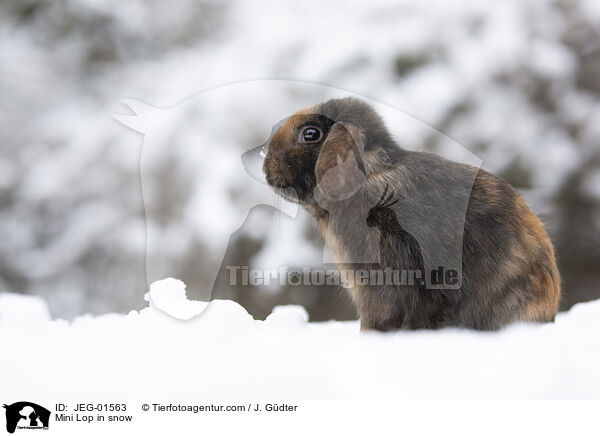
pixel 224 353
pixel 169 296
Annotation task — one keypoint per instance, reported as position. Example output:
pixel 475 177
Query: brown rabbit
pixel 478 255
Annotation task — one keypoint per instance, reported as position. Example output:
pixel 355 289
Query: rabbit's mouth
pixel 288 192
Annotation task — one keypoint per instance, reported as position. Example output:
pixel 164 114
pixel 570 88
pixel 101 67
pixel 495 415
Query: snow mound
pixel 224 353
pixel 17 309
pixel 169 296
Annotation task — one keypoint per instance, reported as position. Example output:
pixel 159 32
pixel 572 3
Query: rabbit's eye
pixel 310 134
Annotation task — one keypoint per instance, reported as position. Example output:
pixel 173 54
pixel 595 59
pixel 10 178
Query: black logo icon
pixel 26 415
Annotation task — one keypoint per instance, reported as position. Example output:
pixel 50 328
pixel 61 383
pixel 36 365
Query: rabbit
pixel 381 207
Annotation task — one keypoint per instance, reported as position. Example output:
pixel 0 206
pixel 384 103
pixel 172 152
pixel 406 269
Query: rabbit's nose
pixel 278 172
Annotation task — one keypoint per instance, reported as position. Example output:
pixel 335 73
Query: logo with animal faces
pixel 202 179
pixel 25 415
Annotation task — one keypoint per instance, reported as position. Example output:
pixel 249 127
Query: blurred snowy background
pixel 516 82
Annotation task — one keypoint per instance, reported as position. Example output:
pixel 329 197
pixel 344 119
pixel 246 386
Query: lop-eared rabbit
pixel 478 257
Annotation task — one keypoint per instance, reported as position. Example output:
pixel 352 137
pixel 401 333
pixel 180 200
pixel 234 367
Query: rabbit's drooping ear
pixel 339 170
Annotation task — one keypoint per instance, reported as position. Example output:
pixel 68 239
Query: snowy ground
pixel 224 353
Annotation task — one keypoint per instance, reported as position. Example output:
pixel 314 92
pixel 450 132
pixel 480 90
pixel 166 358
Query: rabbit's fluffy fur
pixel 420 206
